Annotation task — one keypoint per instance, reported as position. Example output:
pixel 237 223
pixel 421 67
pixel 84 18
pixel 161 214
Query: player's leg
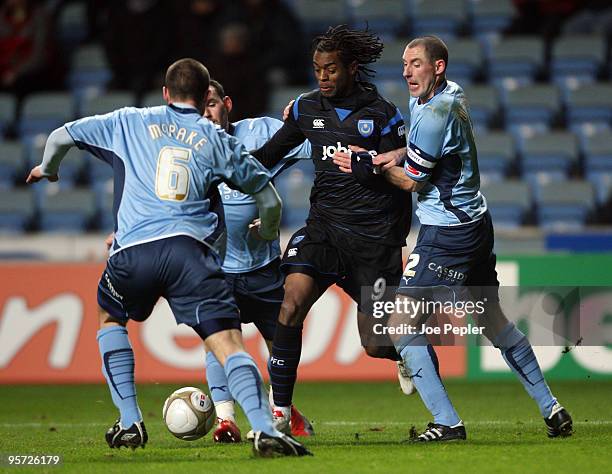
pixel 512 343
pixel 115 303
pixel 301 292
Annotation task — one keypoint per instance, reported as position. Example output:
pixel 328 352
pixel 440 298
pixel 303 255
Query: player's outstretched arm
pixel 270 206
pixel 58 144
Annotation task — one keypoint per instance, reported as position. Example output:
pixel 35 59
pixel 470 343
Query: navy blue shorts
pixel 183 271
pixel 456 256
pixel 259 295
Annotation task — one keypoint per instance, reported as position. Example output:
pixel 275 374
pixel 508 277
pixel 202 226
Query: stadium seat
pixel 8 107
pixel 483 103
pixel 577 56
pixel 70 210
pixel 44 111
pixel 444 18
pixel 491 16
pixel 535 104
pixel 597 153
pixel 17 210
pixel 72 23
pixel 395 92
pixel 13 165
pixel 153 99
pixel 107 103
pixel 519 58
pixel 90 71
pixel 98 170
pixel 466 60
pixel 280 97
pixel 590 103
pixel 496 155
pixel 549 155
pixel 73 168
pixel 389 66
pixel 385 17
pixel 565 204
pixel 509 202
pixel 104 202
pixel 318 15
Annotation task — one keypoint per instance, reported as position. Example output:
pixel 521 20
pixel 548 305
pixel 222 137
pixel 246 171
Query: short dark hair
pixel 187 79
pixel 363 46
pixel 434 48
pixel 218 87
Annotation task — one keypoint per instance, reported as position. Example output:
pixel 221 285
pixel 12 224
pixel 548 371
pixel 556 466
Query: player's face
pixel 422 76
pixel 334 78
pixel 217 109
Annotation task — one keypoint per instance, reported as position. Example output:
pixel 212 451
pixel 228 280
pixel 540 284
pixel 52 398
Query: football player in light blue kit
pixel 251 265
pixel 167 163
pixel 455 243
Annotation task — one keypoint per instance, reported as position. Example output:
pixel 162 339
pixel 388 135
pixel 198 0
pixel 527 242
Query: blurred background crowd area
pixel 537 75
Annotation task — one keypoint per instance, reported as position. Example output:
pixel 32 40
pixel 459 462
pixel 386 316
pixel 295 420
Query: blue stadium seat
pixel 483 102
pixel 597 153
pixel 318 15
pixel 444 18
pixel 8 107
pixel 590 103
pixel 13 165
pixel 549 156
pixel 104 202
pixel 17 209
pixel 107 103
pixel 491 16
pixel 395 92
pixel 466 60
pixel 389 66
pixel 519 58
pixel 565 204
pixel 70 210
pixel 537 105
pixel 44 111
pixel 153 98
pixel 385 17
pixel 577 56
pixel 280 97
pixel 496 155
pixel 294 186
pixel 73 168
pixel 98 170
pixel 90 72
pixel 509 202
pixel 72 23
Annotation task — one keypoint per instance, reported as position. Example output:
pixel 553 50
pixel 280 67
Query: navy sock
pixel 519 356
pixel 118 369
pixel 284 361
pixel 247 389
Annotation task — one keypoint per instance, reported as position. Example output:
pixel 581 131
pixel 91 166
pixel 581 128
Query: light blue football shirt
pixel 441 151
pixel 245 253
pixel 167 163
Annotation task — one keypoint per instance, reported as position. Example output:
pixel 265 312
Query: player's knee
pixel 292 312
pixel 106 320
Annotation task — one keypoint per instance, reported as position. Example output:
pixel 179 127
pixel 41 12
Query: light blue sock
pixel 519 356
pixel 118 368
pixel 247 389
pixel 422 362
pixel 217 381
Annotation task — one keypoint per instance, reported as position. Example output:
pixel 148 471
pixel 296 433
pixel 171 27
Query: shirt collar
pixel 183 108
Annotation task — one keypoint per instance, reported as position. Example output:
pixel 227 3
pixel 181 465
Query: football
pixel 188 413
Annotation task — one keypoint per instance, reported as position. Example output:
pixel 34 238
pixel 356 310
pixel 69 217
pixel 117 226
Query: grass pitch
pixel 361 427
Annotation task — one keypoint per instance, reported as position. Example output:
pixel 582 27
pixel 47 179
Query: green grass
pixel 360 428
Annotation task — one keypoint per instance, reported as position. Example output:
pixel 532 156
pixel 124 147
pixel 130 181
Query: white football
pixel 189 413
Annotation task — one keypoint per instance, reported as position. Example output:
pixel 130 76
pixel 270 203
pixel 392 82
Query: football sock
pixel 283 364
pixel 118 369
pixel 422 362
pixel 219 391
pixel 519 356
pixel 247 389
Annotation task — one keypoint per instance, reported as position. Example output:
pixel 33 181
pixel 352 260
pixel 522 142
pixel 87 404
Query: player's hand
pixel 36 175
pixel 390 159
pixel 109 240
pixel 287 110
pixel 254 229
pixel 343 160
